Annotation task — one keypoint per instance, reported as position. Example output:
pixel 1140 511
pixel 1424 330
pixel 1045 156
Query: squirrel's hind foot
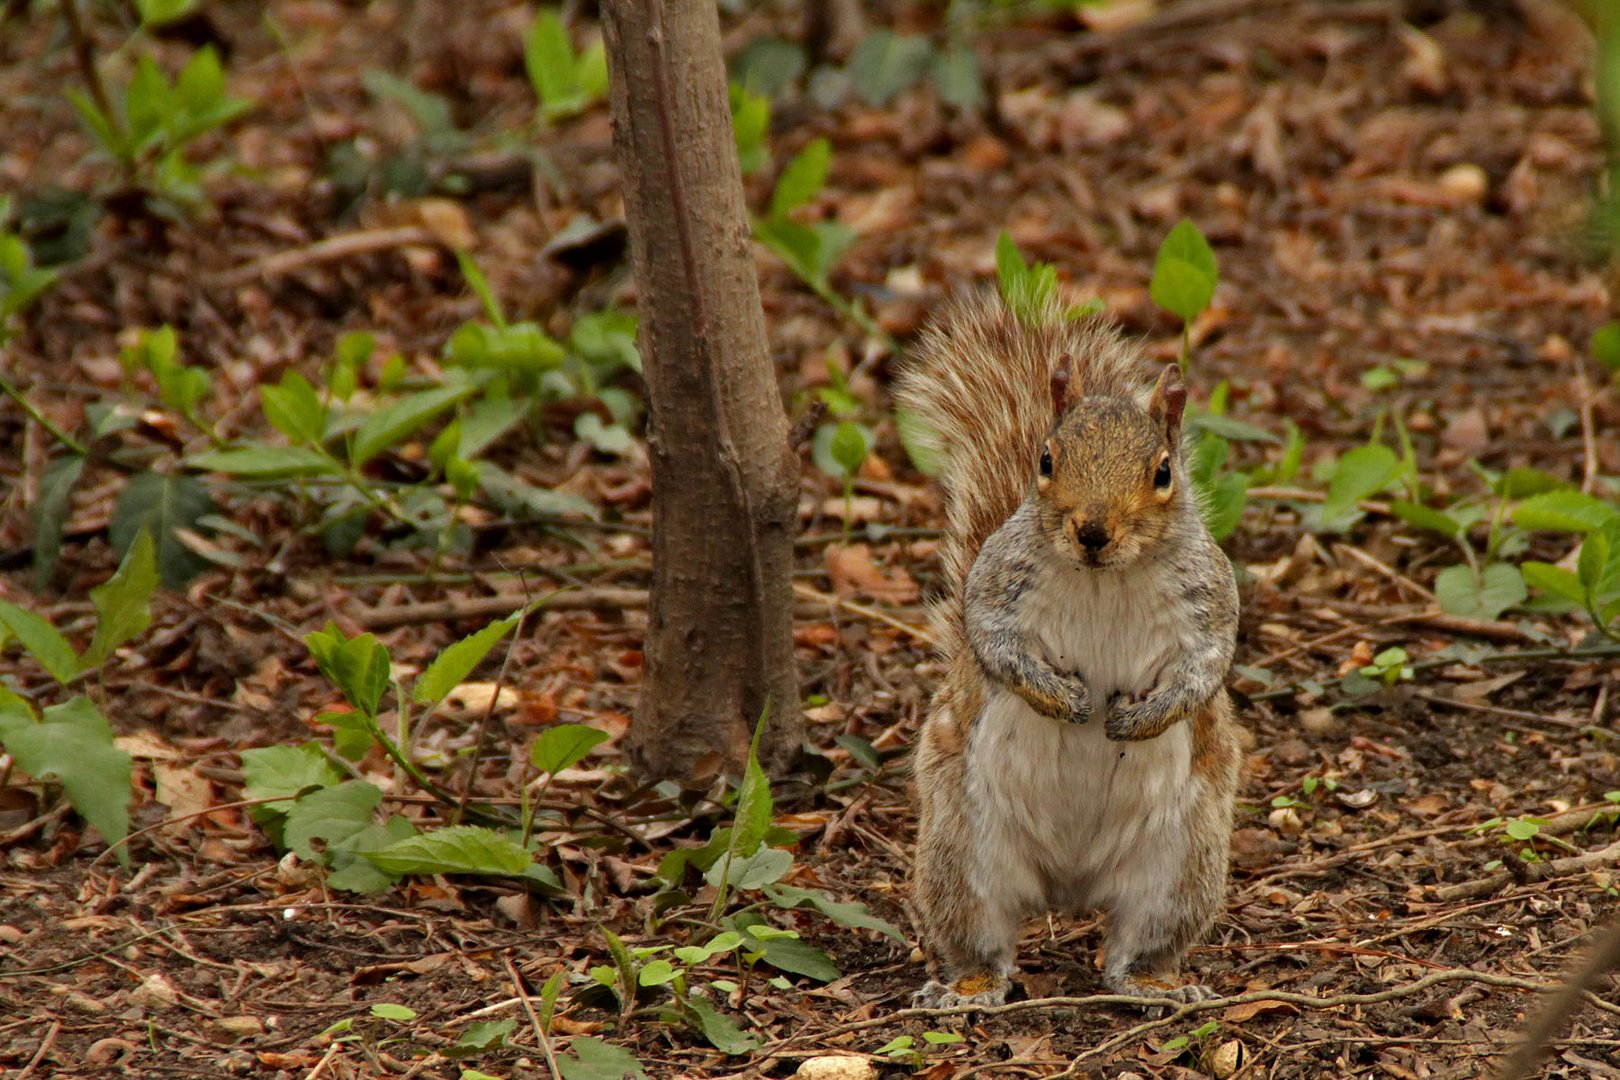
pixel 1147 987
pixel 981 988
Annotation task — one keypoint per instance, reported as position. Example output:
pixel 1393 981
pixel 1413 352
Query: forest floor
pixel 1382 181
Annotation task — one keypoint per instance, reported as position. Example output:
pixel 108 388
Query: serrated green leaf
pixel 764 867
pixel 803 177
pixel 123 603
pixel 330 815
pixel 564 745
pixel 72 744
pixel 283 772
pixel 458 849
pixel 1185 273
pixel 51 513
pixel 160 504
pixel 457 661
pixel 358 666
pixel 351 871
pixel 42 640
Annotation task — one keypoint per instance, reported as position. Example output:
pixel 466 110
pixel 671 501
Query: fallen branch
pixel 332 249
pixel 1533 872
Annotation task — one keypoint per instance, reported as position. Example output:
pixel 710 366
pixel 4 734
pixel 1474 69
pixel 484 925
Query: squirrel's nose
pixel 1092 536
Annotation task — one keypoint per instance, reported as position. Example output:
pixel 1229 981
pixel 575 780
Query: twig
pixel 1385 569
pixel 1288 494
pixel 28 407
pixel 1589 463
pixel 56 1025
pixel 1497 710
pixel 486 607
pixel 534 1018
pixel 1541 871
pixel 1605 957
pixel 809 593
pixel 331 249
pixel 1180 1010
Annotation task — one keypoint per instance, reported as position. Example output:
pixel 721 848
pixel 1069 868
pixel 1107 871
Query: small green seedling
pixel 566 82
pixel 1184 279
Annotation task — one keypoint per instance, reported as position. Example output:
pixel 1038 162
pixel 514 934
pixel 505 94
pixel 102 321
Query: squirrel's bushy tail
pixel 981 381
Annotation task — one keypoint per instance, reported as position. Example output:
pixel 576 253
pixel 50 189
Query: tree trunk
pixel 725 485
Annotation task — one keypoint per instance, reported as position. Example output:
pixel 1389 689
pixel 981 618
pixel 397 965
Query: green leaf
pixel 802 179
pixel 1362 472
pixel 852 916
pixel 1026 290
pixel 1606 346
pixel 393 422
pixel 430 112
pixel 1593 560
pixel 1223 503
pixel 750 122
pixel 483 1035
pixel 388 1010
pixel 352 871
pixel 457 661
pixel 885 63
pixel 724 942
pixel 592 1059
pixel 42 640
pixel 1564 511
pixel 358 666
pixel 1423 517
pixel 294 409
pixel 564 745
pixel 656 973
pixel 956 76
pixel 1522 481
pixel 51 513
pixel 608 438
pixel 100 126
pixel 941 1038
pixel 1229 427
pixel 1554 579
pixel 920 442
pixel 1184 274
pixel 160 504
pixel 258 461
pixel 330 815
pixel 765 867
pixel 799 958
pixel 1522 829
pixel 457 849
pixel 548 57
pixel 73 745
pixel 721 1031
pixel 1499 587
pixel 123 603
pixel 158 12
pixel 284 772
pixel 849 447
pixel 768 65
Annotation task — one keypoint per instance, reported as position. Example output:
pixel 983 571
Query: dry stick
pixel 917 632
pixel 1605 957
pixel 51 1033
pixel 1385 569
pixel 331 249
pixel 534 1018
pixel 1589 465
pixel 1541 871
pixel 1180 1010
pixel 1498 710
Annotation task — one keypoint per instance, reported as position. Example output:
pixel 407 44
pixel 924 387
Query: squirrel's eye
pixel 1046 463
pixel 1161 477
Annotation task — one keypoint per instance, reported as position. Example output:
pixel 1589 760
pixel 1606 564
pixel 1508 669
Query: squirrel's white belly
pixel 1069 818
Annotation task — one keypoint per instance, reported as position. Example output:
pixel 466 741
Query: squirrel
pixel 1081 751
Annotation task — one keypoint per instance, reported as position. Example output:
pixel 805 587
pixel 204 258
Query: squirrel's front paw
pixel 1128 717
pixel 1076 701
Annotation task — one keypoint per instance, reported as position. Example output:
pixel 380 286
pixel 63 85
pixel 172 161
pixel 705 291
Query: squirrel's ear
pixel 1063 385
pixel 1168 402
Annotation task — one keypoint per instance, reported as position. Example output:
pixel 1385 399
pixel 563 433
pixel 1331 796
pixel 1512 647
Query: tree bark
pixel 725 483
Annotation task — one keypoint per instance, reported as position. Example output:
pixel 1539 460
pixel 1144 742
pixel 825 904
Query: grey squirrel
pixel 1081 751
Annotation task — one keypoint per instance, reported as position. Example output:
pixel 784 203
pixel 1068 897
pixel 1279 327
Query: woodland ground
pixel 1315 143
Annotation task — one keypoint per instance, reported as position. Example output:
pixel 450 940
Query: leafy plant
pixel 21 282
pixel 71 743
pixel 566 82
pixel 152 122
pixel 312 810
pixel 1184 279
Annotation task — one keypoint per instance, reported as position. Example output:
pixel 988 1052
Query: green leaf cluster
pixel 566 82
